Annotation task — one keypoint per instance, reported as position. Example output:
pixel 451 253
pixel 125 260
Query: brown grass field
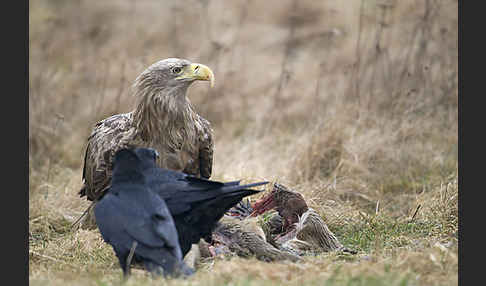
pixel 352 103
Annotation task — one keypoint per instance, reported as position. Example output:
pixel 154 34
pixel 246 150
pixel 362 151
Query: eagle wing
pixel 108 136
pixel 206 149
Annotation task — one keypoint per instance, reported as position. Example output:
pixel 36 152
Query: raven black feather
pixel 132 219
pixel 196 204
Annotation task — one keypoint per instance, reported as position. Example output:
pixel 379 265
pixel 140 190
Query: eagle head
pixel 172 74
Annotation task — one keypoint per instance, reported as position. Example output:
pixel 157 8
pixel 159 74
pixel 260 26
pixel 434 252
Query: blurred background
pixel 349 102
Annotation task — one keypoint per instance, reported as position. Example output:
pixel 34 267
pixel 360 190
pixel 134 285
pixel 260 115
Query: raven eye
pixel 176 70
pixel 158 217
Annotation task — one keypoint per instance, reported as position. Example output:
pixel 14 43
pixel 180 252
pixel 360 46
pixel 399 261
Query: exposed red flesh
pixel 212 251
pixel 264 204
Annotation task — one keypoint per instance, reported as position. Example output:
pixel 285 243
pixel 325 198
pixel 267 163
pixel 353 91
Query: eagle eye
pixel 176 70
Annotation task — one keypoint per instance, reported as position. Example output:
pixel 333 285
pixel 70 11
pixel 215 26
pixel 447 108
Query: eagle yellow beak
pixel 198 72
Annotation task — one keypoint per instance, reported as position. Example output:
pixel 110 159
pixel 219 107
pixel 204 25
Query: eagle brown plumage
pixel 163 119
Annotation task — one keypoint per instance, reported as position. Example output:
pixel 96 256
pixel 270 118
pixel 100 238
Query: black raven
pixel 196 204
pixel 136 221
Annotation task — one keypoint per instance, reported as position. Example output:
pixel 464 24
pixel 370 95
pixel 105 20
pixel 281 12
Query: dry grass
pixel 351 103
